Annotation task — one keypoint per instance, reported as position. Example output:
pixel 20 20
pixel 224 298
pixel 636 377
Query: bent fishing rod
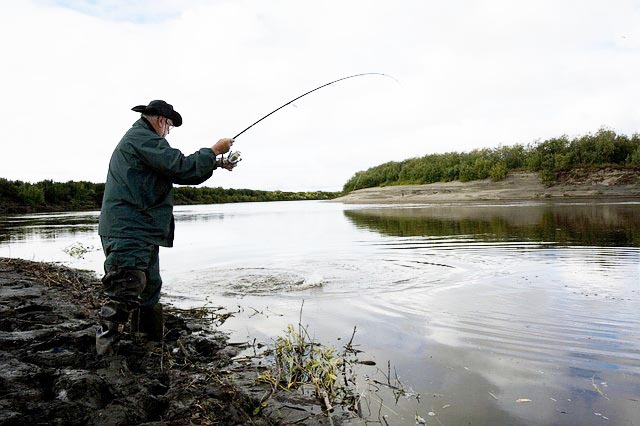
pixel 235 157
pixel 311 91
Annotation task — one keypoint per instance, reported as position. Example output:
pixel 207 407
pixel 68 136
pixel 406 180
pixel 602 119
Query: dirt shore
pixel 578 184
pixel 51 374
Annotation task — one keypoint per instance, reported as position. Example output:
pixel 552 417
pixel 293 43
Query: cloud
pixel 137 11
pixel 472 74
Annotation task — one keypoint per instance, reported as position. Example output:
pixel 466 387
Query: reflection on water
pixel 476 307
pixel 542 304
pixel 47 225
pixel 563 224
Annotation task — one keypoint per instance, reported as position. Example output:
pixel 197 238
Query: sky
pixel 470 74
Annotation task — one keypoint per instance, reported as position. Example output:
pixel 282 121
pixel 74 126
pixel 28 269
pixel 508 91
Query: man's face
pixel 165 125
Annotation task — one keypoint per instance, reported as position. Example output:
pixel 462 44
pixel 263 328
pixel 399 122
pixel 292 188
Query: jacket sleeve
pixel 180 169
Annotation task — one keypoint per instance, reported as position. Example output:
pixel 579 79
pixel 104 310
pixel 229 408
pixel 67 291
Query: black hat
pixel 160 108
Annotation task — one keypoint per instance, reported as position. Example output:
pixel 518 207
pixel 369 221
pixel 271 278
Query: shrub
pixel 547 157
pixel 498 172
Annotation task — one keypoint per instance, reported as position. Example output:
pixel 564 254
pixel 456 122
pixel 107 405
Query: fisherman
pixel 137 217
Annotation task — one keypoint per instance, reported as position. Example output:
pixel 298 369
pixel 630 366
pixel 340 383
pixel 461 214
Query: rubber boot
pixel 122 286
pixel 113 317
pixel 149 321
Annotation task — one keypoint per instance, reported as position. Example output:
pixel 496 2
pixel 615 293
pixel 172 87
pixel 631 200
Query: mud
pixel 51 374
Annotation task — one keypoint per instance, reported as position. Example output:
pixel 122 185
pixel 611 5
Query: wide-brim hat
pixel 160 108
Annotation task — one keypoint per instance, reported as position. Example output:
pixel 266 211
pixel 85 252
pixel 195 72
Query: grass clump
pixel 300 364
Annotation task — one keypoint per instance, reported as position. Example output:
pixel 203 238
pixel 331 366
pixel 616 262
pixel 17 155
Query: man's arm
pixel 184 170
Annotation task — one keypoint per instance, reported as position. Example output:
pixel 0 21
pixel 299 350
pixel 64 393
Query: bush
pixel 498 172
pixel 547 157
pixel 634 158
pixel 548 177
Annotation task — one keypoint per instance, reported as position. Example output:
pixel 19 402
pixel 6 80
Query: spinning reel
pixel 232 158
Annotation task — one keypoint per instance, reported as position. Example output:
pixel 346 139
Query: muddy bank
pixel 574 185
pixel 50 373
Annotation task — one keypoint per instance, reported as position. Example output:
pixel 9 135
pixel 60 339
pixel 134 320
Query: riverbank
pixel 50 373
pixel 520 186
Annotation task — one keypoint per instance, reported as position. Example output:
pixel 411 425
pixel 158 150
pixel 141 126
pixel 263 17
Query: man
pixel 137 217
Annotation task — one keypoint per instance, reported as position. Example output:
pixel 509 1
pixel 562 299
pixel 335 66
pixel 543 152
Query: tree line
pixel 548 158
pixel 17 196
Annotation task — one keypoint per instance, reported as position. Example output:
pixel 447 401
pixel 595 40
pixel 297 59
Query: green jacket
pixel 138 195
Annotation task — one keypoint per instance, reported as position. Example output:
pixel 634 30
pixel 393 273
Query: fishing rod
pixel 235 157
pixel 311 91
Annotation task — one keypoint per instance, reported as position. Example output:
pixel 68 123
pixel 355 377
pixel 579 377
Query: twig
pixel 184 351
pixel 325 399
pixel 348 346
pixel 300 317
pixel 593 382
pixel 162 348
pixel 389 385
pixel 255 312
pixel 327 405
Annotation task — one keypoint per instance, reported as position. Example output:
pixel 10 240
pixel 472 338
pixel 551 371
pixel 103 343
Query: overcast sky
pixel 471 74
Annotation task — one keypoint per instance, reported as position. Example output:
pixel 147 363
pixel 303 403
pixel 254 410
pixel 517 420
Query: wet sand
pixel 50 372
pixel 614 184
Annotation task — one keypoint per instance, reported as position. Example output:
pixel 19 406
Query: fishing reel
pixel 232 158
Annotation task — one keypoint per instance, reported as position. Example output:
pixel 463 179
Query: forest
pixel 19 197
pixel 548 158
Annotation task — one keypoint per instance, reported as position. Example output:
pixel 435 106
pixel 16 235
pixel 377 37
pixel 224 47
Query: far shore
pixel 519 186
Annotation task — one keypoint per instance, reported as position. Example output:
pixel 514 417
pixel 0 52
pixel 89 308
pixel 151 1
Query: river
pixel 525 313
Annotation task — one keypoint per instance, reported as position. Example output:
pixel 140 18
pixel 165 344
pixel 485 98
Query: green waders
pixel 132 283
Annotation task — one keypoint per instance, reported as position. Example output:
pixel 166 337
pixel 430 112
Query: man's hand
pixel 227 165
pixel 222 146
pixel 223 163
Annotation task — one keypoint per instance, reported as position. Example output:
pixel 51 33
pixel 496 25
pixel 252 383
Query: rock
pixel 84 386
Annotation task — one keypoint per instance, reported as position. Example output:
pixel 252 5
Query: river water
pixel 524 313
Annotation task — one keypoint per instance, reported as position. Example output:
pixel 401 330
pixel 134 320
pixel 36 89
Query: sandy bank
pixel 50 373
pixel 607 183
